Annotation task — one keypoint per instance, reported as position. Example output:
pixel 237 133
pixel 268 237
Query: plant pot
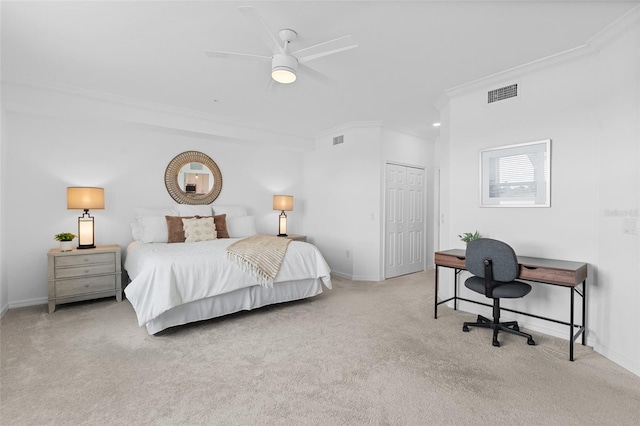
pixel 66 245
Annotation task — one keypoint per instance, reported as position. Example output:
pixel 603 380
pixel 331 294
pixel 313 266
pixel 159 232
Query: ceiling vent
pixel 502 93
pixel 337 140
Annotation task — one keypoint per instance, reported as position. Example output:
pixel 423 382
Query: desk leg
pixel 571 327
pixel 455 288
pixel 584 312
pixel 435 297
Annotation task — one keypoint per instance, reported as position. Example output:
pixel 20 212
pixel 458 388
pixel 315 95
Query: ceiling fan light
pixel 283 75
pixel 283 68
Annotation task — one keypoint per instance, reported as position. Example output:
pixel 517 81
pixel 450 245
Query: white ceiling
pixel 409 53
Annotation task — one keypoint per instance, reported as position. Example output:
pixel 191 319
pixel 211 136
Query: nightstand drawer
pixel 83 271
pixel 76 286
pixel 85 259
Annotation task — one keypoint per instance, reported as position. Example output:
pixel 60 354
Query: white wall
pixel 589 107
pixel 44 152
pixel 344 186
pixel 4 283
pixel 615 299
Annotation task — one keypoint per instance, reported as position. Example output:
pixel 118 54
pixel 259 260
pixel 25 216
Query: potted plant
pixel 467 237
pixel 65 239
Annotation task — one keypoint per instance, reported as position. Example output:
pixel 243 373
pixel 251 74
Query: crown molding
pixel 405 131
pixel 367 124
pixel 148 114
pixel 617 29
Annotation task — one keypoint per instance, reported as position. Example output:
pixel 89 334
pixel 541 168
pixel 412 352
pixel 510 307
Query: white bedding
pixel 164 276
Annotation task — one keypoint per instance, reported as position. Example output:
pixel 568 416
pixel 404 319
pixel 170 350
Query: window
pixel 516 175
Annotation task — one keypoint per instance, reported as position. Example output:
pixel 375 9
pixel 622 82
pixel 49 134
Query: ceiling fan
pixel 285 65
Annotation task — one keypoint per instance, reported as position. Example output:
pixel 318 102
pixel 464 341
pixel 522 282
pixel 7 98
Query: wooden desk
pixel 547 271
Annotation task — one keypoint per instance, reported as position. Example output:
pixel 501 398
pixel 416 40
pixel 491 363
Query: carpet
pixel 362 353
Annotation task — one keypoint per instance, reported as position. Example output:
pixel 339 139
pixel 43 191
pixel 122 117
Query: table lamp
pixel 85 198
pixel 283 203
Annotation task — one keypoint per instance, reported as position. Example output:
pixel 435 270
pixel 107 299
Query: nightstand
pixel 84 274
pixel 296 237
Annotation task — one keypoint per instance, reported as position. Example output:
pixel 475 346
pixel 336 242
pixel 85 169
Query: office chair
pixel 495 267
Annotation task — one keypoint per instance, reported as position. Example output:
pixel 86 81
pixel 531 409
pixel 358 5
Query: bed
pixel 173 284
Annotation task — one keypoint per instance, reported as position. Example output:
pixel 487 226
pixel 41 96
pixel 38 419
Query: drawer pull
pixel 86 271
pixel 531 268
pixel 460 258
pixel 86 285
pixel 86 259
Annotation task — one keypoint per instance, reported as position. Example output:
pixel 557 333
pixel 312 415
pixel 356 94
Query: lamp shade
pixel 283 202
pixel 85 198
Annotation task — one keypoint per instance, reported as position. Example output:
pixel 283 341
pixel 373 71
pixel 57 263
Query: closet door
pixel 404 220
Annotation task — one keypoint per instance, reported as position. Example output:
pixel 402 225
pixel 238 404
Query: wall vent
pixel 337 140
pixel 502 93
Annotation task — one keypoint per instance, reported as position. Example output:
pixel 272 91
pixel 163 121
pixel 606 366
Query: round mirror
pixel 193 178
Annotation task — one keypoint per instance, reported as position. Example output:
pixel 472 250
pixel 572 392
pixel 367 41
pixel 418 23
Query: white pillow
pixel 195 210
pixel 241 226
pixel 153 229
pixel 136 231
pixel 202 229
pixel 149 229
pixel 230 211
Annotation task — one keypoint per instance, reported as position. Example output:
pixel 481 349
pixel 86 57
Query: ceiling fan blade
pixel 325 53
pixel 270 85
pixel 231 55
pixel 315 75
pixel 329 47
pixel 323 44
pixel 261 28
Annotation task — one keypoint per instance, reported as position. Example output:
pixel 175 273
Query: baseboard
pixel 342 275
pixel 29 302
pixel 621 360
pixel 365 278
pixel 4 310
pixel 541 326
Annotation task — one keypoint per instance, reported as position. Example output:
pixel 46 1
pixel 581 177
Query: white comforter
pixel 167 275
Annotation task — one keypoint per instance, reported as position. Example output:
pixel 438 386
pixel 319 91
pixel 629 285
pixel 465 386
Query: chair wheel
pixel 465 328
pixel 516 328
pixel 496 343
pixel 531 342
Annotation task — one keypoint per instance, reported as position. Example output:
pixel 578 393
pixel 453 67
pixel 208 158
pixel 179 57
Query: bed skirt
pixel 244 299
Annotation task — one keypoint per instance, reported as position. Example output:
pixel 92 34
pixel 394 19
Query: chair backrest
pixel 503 258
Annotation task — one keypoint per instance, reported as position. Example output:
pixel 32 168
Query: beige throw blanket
pixel 260 256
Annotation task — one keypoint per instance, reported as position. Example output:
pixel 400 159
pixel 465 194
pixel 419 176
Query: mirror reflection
pixel 195 178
